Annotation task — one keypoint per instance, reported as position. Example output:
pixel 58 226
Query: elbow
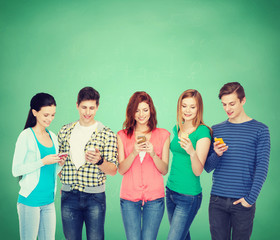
pixel 120 170
pixel 113 172
pixel 198 172
pixel 164 172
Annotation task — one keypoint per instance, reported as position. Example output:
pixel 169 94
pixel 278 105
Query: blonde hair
pixel 198 120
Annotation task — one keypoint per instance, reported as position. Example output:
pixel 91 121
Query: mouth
pixel 87 117
pixel 187 115
pixel 141 119
pixel 229 113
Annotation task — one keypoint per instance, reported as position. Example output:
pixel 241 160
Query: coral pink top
pixel 143 181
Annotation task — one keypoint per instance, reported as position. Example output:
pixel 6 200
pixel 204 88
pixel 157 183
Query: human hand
pixel 93 156
pixel 62 157
pixel 220 148
pixel 138 147
pixel 50 159
pixel 186 144
pixel 150 149
pixel 243 203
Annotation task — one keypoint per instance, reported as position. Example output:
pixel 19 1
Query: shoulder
pixel 121 132
pixel 66 127
pixel 162 131
pixel 106 131
pixel 203 131
pixel 25 134
pixel 175 129
pixel 261 129
pixel 258 124
pixel 219 125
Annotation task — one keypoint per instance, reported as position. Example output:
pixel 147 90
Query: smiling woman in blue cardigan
pixel 37 163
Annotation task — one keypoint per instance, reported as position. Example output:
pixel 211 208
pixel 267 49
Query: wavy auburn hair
pixel 198 120
pixel 131 109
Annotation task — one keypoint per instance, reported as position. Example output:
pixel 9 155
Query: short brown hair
pixel 131 109
pixel 232 87
pixel 88 93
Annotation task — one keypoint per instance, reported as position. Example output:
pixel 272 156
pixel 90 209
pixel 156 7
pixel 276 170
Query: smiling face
pixel 44 116
pixel 233 106
pixel 87 110
pixel 142 114
pixel 189 109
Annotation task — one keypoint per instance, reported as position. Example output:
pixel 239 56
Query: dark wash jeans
pixel 228 220
pixel 79 207
pixel 181 209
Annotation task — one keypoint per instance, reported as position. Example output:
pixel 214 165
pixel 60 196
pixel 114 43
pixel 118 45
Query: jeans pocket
pixel 98 197
pixel 214 199
pixel 65 195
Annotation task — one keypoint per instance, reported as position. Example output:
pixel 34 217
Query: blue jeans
pixel 181 209
pixel 79 207
pixel 142 222
pixel 36 221
pixel 228 221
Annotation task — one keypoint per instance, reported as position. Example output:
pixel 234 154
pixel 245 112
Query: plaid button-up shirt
pixel 88 175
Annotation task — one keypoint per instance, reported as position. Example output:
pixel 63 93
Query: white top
pixel 78 140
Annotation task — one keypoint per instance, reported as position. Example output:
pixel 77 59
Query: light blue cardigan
pixel 27 161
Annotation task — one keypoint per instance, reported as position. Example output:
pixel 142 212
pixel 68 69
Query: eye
pixel 45 115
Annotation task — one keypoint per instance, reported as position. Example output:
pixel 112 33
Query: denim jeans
pixel 142 222
pixel 228 220
pixel 181 209
pixel 36 221
pixel 79 207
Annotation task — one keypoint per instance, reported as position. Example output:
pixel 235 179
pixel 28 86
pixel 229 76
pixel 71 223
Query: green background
pixel 119 47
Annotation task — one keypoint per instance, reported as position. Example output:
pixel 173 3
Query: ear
pixel 34 112
pixel 243 101
pixel 77 105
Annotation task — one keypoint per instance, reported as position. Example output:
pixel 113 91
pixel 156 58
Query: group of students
pixel 85 151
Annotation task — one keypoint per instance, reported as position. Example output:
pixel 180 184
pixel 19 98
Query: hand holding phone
pixel 62 155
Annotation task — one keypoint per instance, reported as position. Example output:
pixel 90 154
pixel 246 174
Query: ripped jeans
pixel 78 208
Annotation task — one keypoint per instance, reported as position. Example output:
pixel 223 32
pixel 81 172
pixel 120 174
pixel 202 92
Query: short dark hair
pixel 88 93
pixel 232 87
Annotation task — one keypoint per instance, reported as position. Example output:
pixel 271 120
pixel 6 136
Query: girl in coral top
pixel 143 158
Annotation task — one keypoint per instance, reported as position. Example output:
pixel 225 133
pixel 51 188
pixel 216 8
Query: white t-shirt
pixel 78 140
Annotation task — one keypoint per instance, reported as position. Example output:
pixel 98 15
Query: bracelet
pixel 100 161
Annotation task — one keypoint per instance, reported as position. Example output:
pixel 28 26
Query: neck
pixel 142 128
pixel 187 125
pixel 240 119
pixel 39 129
pixel 87 124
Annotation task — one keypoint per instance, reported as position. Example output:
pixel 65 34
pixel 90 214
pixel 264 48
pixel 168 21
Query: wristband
pixel 100 161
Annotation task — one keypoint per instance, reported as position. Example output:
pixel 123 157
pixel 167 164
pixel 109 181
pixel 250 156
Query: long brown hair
pixel 131 109
pixel 198 120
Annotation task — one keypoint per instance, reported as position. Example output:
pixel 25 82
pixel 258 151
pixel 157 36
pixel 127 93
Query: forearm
pixel 161 166
pixel 126 163
pixel 197 166
pixel 108 168
pixel 211 162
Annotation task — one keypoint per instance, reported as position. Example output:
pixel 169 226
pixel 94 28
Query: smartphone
pixel 92 149
pixel 62 155
pixel 184 135
pixel 220 140
pixel 141 139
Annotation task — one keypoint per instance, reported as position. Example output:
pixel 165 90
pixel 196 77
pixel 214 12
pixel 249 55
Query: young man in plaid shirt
pixel 92 153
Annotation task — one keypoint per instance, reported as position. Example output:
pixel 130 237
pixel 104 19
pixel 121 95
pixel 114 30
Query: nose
pixel 88 111
pixel 227 108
